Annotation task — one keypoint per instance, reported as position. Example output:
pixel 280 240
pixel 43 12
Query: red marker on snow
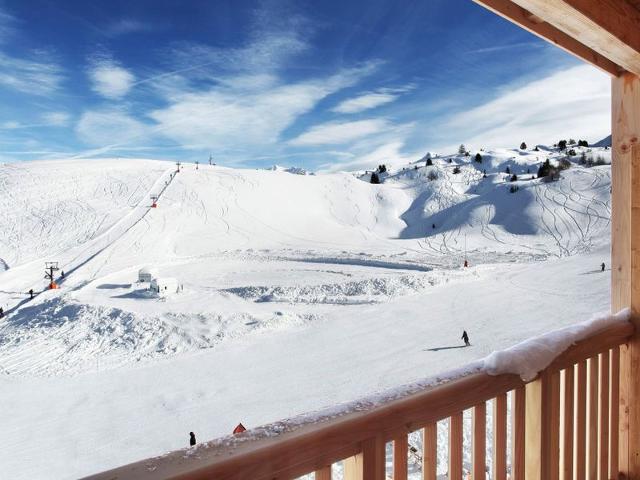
pixel 239 429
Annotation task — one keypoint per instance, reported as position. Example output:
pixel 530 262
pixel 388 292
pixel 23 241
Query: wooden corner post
pixel 625 258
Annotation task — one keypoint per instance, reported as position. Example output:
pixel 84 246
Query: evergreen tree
pixel 514 178
pixel 545 169
pixel 375 179
pixel 478 158
pixel 456 169
pixel 462 149
pixel 507 170
pixel 523 146
pixel 562 144
pixel 429 162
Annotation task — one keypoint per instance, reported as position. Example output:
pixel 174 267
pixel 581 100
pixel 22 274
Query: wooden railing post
pixel 625 257
pixel 518 415
pixel 369 464
pixel 400 459
pixel 479 442
pixel 430 452
pixel 500 437
pixel 541 461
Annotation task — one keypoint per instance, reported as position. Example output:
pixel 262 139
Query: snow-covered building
pixel 145 274
pixel 164 286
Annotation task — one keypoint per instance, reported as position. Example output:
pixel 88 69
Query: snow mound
pixel 293 170
pixel 533 355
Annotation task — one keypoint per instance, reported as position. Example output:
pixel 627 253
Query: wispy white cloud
pixel 125 26
pixel 56 119
pixel 253 111
pixel 370 100
pixel 109 78
pixel 570 103
pixel 336 133
pixel 36 75
pixel 7 23
pixel 510 46
pixel 48 119
pixel 109 126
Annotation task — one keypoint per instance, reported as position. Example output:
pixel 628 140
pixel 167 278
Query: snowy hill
pixel 279 279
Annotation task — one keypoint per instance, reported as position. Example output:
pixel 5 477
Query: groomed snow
pixel 301 292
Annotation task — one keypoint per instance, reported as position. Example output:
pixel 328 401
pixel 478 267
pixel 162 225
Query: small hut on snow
pixel 145 274
pixel 164 286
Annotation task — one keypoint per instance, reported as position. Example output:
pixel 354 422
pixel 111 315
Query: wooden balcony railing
pixel 564 425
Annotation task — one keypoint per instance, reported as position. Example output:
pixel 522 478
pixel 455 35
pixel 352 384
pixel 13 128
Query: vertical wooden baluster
pixel 500 437
pixel 566 425
pixel 430 452
pixel 517 433
pixel 369 464
pixel 614 413
pixel 554 428
pixel 592 418
pixel 455 446
pixel 400 452
pixel 538 445
pixel 324 473
pixel 579 444
pixel 479 442
pixel 603 416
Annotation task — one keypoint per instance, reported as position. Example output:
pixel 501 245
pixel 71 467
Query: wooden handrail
pixel 312 446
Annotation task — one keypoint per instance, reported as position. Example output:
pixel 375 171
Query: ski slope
pixel 286 278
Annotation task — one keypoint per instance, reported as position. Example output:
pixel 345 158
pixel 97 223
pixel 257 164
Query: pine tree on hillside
pixel 462 149
pixel 545 169
pixel 456 169
pixel 523 146
pixel 562 144
pixel 429 162
pixel 514 178
pixel 507 170
pixel 375 179
pixel 478 158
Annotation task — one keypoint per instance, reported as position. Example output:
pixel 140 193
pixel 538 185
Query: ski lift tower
pixel 49 273
pixel 197 163
pixel 210 159
pixel 178 164
pixel 154 201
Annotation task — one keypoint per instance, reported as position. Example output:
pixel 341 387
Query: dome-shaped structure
pixel 145 274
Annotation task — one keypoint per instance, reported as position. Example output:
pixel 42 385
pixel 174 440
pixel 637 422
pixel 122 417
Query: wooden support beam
pixel 625 258
pixel 614 413
pixel 538 26
pixel 479 442
pixel 608 27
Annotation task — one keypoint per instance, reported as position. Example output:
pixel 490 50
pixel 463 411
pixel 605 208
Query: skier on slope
pixel 465 337
pixel 31 293
pixel 192 439
pixel 602 266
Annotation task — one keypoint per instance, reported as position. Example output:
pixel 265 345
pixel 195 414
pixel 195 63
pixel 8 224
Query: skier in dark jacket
pixel 192 439
pixel 602 266
pixel 31 293
pixel 465 337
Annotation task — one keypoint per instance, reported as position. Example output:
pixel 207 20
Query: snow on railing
pixel 569 412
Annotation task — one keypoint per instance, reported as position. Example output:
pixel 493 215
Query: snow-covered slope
pixel 283 279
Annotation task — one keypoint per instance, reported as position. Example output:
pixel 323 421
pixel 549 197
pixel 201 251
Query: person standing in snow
pixel 465 337
pixel 192 439
pixel 602 266
pixel 31 293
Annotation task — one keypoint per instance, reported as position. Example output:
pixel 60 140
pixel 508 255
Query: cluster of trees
pixel 478 158
pixel 562 144
pixel 523 146
pixel 375 178
pixel 590 162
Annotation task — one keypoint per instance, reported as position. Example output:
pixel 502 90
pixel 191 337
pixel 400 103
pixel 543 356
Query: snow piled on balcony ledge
pixel 533 355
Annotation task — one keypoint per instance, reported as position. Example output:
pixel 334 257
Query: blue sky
pixel 325 85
